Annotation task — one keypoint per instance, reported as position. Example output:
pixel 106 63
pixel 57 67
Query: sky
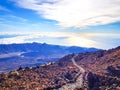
pixel 85 23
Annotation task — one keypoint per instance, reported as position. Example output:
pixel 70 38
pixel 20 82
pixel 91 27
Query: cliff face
pixel 94 71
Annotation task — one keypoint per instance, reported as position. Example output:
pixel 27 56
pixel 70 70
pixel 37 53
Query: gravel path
pixel 80 79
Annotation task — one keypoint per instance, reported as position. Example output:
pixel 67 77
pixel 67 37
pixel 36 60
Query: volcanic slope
pixel 99 71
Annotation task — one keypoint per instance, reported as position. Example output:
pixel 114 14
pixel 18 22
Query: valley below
pixel 13 56
pixel 13 61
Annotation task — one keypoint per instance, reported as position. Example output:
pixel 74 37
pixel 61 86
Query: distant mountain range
pixel 43 49
pixel 98 70
pixel 13 56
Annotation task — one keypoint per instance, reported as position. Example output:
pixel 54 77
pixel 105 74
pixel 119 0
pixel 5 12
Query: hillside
pixel 92 70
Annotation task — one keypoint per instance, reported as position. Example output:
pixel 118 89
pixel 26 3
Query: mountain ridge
pixel 6 48
pixel 12 56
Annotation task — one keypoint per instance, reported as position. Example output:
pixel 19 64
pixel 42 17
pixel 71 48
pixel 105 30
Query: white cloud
pixel 98 40
pixel 48 37
pixel 75 13
pixel 11 18
pixel 17 18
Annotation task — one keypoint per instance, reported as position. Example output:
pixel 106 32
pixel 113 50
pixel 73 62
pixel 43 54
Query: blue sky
pixel 88 23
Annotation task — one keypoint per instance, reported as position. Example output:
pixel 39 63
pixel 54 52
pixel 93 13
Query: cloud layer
pixel 98 40
pixel 75 13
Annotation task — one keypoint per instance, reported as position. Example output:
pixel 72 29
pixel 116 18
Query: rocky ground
pixel 102 72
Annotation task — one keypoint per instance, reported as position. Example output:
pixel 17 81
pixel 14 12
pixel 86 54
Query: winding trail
pixel 74 62
pixel 80 80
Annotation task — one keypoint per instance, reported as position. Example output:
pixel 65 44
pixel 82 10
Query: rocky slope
pixel 84 71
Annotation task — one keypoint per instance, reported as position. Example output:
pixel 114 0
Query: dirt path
pixel 74 62
pixel 80 79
